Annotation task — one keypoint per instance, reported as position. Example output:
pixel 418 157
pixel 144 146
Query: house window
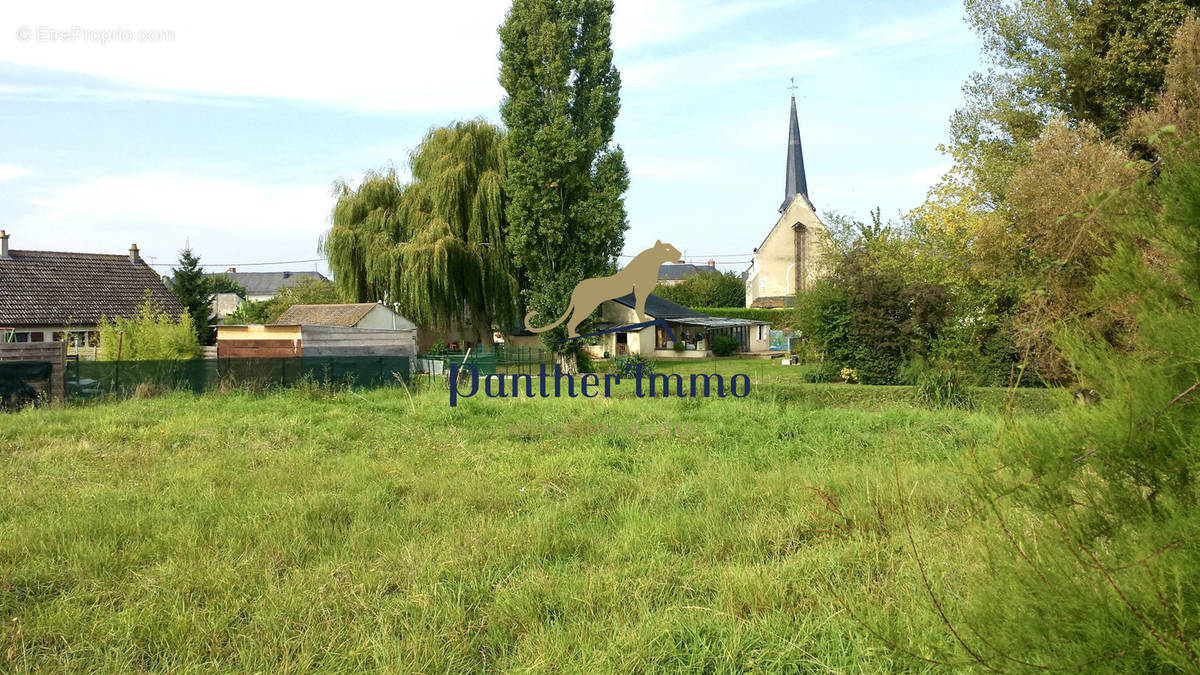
pixel 78 338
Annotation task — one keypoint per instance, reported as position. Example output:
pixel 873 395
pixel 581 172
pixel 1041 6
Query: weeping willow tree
pixel 434 246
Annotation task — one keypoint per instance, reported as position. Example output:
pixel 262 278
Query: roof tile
pixel 326 315
pixel 60 288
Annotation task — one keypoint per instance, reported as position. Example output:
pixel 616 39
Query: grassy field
pixel 359 530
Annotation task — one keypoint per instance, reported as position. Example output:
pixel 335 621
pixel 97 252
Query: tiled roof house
pixel 265 285
pixel 56 295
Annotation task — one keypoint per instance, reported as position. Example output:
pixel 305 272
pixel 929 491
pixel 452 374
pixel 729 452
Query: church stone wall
pixel 790 257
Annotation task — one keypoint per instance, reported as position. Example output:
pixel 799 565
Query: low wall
pixel 685 355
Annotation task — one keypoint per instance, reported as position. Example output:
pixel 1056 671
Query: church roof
pixel 797 182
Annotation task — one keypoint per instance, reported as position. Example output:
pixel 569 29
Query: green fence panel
pixel 88 379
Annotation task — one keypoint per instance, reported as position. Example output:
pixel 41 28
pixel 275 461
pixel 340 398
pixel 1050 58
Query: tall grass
pixel 360 530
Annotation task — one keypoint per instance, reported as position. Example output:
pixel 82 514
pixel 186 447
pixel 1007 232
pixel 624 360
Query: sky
pixel 224 125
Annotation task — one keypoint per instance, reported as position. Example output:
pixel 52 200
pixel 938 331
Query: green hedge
pixel 780 319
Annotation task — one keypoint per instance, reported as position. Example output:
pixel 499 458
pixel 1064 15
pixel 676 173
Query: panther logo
pixel 640 277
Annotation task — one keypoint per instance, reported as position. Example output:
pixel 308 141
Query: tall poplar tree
pixel 565 179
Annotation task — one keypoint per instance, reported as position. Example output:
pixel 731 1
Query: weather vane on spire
pixel 793 88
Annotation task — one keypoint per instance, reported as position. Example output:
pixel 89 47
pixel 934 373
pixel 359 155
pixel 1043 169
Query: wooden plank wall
pixel 258 349
pixel 339 341
pixel 54 352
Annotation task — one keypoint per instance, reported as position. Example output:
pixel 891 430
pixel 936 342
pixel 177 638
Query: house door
pixel 622 344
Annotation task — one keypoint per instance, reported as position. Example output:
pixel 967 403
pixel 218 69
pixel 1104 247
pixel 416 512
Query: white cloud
pixel 228 220
pixel 360 55
pixel 638 23
pixel 742 62
pixel 717 62
pixel 381 57
pixel 44 93
pixel 12 172
pixel 938 26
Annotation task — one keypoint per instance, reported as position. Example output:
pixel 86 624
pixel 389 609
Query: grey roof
pixel 675 272
pixel 797 182
pixel 59 288
pixel 267 283
pixel 721 322
pixel 659 307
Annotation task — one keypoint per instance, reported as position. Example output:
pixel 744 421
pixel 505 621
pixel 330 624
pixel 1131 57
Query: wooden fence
pixel 53 352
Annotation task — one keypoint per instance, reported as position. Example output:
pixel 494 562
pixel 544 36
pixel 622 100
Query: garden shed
pixel 294 341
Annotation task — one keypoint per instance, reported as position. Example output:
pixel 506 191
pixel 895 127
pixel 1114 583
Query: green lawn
pixel 306 530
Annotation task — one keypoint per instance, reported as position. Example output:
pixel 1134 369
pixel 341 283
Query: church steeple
pixel 796 181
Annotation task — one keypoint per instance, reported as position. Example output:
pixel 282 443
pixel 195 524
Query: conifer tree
pixel 194 291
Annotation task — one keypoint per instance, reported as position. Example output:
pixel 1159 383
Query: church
pixel 788 259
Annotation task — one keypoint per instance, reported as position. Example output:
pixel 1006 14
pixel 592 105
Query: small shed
pixel 361 329
pixel 258 342
pixel 27 370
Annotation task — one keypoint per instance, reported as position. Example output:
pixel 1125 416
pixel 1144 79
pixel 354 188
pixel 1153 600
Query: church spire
pixel 796 180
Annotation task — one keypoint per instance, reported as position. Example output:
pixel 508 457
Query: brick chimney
pixel 712 263
pixel 231 270
pixel 134 256
pixel 4 245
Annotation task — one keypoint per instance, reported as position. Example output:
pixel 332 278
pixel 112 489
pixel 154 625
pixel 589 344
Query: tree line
pixel 1074 107
pixel 499 219
pixel 1062 248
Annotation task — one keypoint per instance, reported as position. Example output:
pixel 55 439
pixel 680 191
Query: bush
pixel 250 312
pixel 711 289
pixel 803 350
pixel 679 346
pixel 943 388
pixel 584 361
pixel 306 291
pixel 825 371
pixel 627 365
pixel 724 345
pixel 1094 512
pixel 868 318
pixel 150 336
